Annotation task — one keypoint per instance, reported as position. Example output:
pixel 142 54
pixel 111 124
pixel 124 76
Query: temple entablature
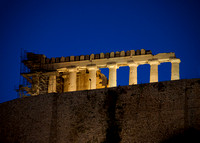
pixel 175 60
pixel 82 72
pixel 121 61
pixel 100 60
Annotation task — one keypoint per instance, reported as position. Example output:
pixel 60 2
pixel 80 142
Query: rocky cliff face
pixel 156 112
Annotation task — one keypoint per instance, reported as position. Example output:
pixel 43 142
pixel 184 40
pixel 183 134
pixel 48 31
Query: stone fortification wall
pixel 153 112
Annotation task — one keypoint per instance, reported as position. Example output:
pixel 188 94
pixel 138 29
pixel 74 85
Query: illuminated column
pixel 154 70
pixel 92 76
pixel 72 78
pixel 112 75
pixel 52 83
pixel 65 84
pixel 175 69
pixel 132 73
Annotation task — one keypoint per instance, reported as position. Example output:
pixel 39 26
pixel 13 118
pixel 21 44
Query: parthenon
pixel 74 73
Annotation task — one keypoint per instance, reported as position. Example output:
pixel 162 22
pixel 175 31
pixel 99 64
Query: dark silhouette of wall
pixel 157 112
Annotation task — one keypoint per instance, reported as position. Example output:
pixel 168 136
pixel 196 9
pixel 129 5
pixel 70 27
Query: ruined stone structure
pixel 76 73
pixel 144 113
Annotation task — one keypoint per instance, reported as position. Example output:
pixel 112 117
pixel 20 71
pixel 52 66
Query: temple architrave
pixel 74 73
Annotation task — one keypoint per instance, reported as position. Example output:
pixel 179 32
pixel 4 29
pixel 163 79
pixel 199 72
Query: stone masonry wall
pixel 156 112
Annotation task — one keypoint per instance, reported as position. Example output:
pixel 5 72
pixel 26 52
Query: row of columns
pixel 174 70
pixel 113 75
pixel 70 82
pixel 153 72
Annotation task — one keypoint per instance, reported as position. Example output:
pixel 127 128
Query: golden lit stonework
pixel 75 73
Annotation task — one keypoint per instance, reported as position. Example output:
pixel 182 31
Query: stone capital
pixel 175 60
pixel 72 69
pixel 92 67
pixel 154 62
pixel 62 70
pixel 132 64
pixel 54 73
pixel 112 65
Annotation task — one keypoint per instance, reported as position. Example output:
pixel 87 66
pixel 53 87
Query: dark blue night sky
pixel 80 27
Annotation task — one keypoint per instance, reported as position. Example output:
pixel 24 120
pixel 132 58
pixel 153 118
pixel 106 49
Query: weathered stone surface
pixel 107 55
pixel 57 60
pixel 127 53
pixel 143 51
pixel 67 59
pixel 77 58
pixel 71 58
pixel 59 66
pixel 92 57
pixel 112 55
pixel 97 56
pixel 122 54
pixel 155 112
pixel 53 60
pixel 117 54
pixel 101 55
pixel 62 59
pixel 82 57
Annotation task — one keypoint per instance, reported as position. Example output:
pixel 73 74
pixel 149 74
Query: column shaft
pixel 52 84
pixel 175 69
pixel 65 84
pixel 154 71
pixel 72 80
pixel 92 79
pixel 92 76
pixel 132 74
pixel 112 75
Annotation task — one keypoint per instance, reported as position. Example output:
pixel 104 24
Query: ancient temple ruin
pixel 74 73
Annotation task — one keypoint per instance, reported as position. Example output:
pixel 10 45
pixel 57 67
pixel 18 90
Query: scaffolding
pixel 37 76
pixel 24 84
pixel 33 82
pixel 43 83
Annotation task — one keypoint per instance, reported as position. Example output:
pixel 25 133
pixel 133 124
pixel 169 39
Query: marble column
pixel 72 78
pixel 65 84
pixel 92 76
pixel 132 73
pixel 175 69
pixel 154 70
pixel 112 74
pixel 52 84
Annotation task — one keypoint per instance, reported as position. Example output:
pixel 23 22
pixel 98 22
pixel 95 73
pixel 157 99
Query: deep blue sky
pixel 76 27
